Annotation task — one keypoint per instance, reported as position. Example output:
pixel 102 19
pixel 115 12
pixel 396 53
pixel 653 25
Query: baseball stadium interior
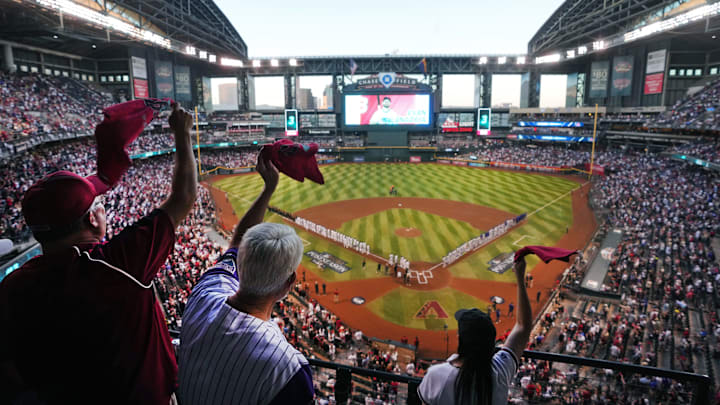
pixel 603 138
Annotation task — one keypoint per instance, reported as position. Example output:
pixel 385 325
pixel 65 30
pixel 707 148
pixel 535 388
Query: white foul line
pixel 521 238
pixel 556 200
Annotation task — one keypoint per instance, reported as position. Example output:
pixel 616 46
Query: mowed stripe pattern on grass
pixel 401 306
pixel 510 191
pixel 516 192
pixel 439 234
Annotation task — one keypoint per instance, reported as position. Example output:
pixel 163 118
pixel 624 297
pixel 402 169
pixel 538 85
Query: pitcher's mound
pixel 408 232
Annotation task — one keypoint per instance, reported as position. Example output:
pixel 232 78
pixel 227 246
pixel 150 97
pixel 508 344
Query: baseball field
pixel 436 209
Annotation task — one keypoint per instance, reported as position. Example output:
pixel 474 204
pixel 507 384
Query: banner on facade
pixel 139 68
pixel 654 83
pixel 140 88
pixel 622 74
pixel 182 83
pixel 655 62
pixel 599 79
pixel 164 80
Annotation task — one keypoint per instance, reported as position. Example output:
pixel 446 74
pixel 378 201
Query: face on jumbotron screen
pixel 387 109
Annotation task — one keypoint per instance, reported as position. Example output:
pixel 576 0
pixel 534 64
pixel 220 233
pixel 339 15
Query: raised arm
pixel 184 182
pixel 256 213
pixel 518 338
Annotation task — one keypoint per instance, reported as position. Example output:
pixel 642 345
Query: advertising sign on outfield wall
pixel 415 159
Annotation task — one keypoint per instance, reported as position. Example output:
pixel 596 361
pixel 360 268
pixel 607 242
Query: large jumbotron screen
pixel 387 110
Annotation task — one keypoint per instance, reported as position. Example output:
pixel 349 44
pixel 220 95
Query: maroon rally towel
pixel 122 124
pixel 295 160
pixel 545 253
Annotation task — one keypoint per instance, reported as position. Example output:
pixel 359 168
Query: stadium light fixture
pixel 274 63
pixel 599 45
pixel 256 63
pixel 293 62
pixel 55 36
pixel 95 17
pixel 483 60
pixel 94 46
pixel 693 15
pixel 202 54
pixel 212 58
pixel 552 58
pixel 520 60
pixel 582 50
pixel 231 62
pixel 190 50
pixel 502 60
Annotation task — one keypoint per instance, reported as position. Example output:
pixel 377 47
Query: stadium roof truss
pixel 196 22
pixel 408 64
pixel 585 21
pixel 193 27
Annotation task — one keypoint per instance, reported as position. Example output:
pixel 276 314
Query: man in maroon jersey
pixel 81 323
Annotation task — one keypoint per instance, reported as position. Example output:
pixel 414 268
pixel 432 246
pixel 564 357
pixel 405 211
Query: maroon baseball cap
pixel 59 199
pixel 63 197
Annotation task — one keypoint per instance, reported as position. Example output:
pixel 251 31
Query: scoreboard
pixel 484 121
pixel 456 122
pixel 387 110
pixel 291 122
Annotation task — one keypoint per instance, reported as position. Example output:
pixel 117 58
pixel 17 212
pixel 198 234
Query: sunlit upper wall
pixel 459 91
pixel 553 91
pixel 267 92
pixel 506 90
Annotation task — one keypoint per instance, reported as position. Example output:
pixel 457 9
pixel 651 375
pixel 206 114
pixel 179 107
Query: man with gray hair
pixel 230 352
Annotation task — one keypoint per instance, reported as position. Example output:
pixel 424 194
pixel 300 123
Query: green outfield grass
pixel 401 306
pixel 516 192
pixel 439 234
pixel 545 198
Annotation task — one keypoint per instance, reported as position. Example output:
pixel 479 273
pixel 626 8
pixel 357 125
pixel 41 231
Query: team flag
pixel 423 65
pixel 353 67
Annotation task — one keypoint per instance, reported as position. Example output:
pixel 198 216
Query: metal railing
pixel 701 394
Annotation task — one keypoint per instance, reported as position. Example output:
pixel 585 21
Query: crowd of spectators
pixel 664 270
pixel 665 277
pixel 709 151
pixel 664 264
pixel 19 173
pixel 543 155
pixel 34 104
pixel 696 111
pixel 231 159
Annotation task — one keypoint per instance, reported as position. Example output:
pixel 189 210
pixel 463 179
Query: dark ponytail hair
pixel 474 383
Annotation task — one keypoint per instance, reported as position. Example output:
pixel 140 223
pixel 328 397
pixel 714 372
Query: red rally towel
pixel 122 124
pixel 545 253
pixel 296 160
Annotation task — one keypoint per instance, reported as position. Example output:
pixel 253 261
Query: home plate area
pixel 421 276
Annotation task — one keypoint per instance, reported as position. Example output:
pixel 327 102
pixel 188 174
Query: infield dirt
pixel 432 343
